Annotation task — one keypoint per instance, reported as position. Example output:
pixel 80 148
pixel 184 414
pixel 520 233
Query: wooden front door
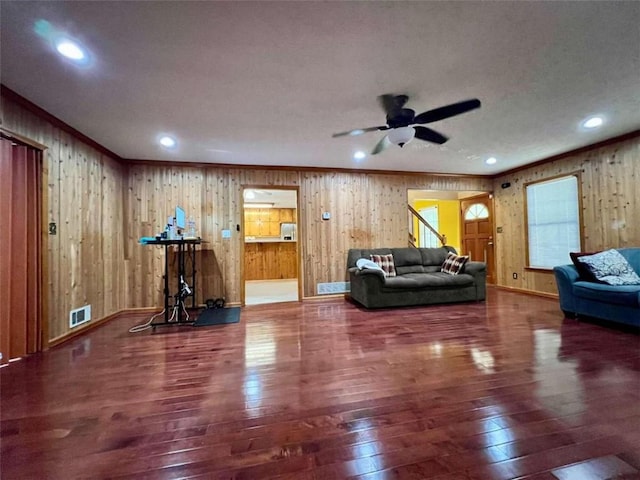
pixel 477 231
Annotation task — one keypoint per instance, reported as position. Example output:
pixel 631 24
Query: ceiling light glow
pixel 491 161
pixel 70 49
pixel 593 122
pixel 167 141
pixel 359 155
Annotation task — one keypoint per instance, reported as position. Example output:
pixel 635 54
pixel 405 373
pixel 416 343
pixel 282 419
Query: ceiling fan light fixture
pixel 401 136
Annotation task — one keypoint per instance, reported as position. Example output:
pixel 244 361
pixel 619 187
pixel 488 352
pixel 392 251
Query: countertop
pixel 266 240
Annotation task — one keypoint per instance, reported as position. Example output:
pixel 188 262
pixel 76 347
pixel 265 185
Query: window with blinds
pixel 553 221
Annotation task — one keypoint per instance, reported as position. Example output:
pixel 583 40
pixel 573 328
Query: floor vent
pixel 79 315
pixel 333 287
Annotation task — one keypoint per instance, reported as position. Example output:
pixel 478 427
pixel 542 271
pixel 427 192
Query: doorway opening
pixel 464 219
pixel 271 263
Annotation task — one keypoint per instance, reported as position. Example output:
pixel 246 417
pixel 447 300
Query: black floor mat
pixel 217 316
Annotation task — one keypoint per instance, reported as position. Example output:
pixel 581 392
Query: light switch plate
pixel 326 215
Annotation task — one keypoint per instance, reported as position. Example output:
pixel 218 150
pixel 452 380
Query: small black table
pixel 186 249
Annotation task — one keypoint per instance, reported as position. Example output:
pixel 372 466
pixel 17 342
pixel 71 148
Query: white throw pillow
pixel 366 263
pixel 611 267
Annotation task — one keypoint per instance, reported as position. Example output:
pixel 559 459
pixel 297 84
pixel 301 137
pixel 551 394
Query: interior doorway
pixel 446 211
pixel 271 253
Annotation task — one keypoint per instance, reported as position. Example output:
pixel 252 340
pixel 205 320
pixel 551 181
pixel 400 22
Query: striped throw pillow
pixel 386 263
pixel 453 263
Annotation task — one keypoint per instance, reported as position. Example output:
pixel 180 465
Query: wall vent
pixel 79 316
pixel 333 287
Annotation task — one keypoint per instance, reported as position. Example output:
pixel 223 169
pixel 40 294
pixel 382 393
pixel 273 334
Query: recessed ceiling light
pixel 167 141
pixel 593 122
pixel 359 155
pixel 69 49
pixel 491 161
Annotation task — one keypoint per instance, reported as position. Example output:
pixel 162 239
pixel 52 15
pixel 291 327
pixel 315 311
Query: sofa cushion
pixel 386 263
pixel 453 264
pixel 611 267
pixel 410 269
pixel 356 253
pixel 403 257
pixel 601 292
pixel 423 280
pixel 435 256
pixel 583 270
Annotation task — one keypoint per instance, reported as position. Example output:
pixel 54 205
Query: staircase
pixel 413 216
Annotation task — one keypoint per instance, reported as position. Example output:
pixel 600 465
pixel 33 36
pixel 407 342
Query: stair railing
pixel 413 214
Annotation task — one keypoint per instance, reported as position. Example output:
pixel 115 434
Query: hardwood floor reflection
pixel 326 390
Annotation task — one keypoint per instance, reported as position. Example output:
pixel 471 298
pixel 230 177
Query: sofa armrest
pixel 473 268
pixel 478 270
pixel 566 276
pixel 356 272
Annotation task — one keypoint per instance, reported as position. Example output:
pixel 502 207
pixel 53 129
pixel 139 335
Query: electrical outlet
pixel 515 276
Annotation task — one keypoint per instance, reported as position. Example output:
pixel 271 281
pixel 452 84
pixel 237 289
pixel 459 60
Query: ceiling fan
pixel 401 121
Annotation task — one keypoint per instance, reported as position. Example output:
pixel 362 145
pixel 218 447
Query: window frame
pixel 578 176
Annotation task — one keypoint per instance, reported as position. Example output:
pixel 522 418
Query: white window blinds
pixel 553 221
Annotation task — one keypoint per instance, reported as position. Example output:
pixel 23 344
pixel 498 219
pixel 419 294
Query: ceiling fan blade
pixel 382 145
pixel 448 111
pixel 392 104
pixel 359 131
pixel 424 133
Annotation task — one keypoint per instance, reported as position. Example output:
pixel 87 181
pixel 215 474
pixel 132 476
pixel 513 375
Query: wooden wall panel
pixel 610 176
pixel 270 260
pixel 366 209
pixel 85 200
pixel 265 222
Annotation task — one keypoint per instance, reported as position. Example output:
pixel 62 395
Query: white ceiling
pixel 269 82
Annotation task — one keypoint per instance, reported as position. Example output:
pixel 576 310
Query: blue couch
pixel 615 303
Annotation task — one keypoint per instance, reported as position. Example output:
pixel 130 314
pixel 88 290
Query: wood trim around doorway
pixel 299 268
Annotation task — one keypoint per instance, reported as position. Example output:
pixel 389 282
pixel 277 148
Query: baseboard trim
pixel 535 293
pixel 140 310
pixel 320 298
pixel 76 333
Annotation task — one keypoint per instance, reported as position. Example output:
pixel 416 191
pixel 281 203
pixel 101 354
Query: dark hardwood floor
pixel 326 390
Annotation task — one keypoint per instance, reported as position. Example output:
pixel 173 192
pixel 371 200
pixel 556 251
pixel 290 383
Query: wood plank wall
pixel 270 260
pixel 85 200
pixel 366 210
pixel 610 177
